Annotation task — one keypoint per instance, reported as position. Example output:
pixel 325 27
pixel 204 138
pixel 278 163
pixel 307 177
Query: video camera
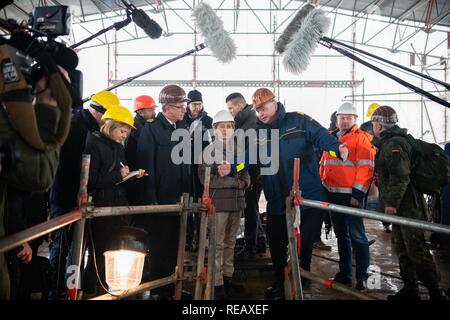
pixel 54 21
pixel 44 26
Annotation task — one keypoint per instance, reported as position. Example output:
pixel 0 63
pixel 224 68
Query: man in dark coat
pixel 197 119
pixel 245 119
pixel 144 106
pixel 299 135
pixel 198 123
pixel 165 184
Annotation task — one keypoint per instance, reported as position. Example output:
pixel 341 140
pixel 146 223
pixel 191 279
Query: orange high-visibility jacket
pixel 354 175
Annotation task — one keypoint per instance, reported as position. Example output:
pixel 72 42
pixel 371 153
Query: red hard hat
pixel 144 102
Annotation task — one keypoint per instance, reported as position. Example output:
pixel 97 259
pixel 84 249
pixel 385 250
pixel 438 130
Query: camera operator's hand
pixel 25 254
pixel 34 48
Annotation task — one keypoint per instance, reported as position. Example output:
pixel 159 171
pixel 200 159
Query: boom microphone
pixel 143 21
pixel 216 37
pixel 286 37
pixel 305 40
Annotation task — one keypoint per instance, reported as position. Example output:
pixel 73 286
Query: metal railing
pixel 86 211
pixel 297 272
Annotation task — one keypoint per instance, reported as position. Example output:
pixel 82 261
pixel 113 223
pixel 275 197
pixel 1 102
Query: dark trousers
pixel 253 228
pixel 59 254
pixel 163 237
pixel 311 221
pixel 350 231
pixel 327 220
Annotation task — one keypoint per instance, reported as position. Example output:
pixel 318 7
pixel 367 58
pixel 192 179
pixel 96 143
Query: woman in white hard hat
pixel 227 194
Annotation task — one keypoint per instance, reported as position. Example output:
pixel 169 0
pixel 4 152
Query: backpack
pixel 430 166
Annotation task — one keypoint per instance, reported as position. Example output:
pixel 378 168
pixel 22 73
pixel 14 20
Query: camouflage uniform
pixel 393 166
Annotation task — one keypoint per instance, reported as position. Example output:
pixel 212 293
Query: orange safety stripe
pixel 356 172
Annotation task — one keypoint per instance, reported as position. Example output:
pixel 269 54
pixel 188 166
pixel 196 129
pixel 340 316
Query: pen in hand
pixel 124 171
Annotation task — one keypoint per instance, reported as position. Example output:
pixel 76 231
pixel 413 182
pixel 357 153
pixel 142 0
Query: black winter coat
pixel 133 188
pixel 104 171
pixel 246 119
pixel 206 124
pixel 63 195
pixel 132 141
pixel 166 181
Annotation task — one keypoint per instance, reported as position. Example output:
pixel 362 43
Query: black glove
pixel 34 48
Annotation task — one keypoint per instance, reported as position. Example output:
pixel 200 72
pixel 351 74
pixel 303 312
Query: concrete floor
pixel 256 275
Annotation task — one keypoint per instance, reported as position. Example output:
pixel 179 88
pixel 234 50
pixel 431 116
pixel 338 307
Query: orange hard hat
pixel 261 96
pixel 144 102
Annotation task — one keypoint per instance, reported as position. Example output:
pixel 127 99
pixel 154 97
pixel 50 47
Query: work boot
pixel 361 285
pixel 437 293
pixel 261 246
pixel 340 278
pixel 246 253
pixel 232 288
pixel 219 293
pixel 306 283
pixel 275 292
pixel 406 293
pixel 319 245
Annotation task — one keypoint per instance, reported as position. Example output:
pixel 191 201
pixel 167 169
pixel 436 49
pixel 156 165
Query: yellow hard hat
pixel 106 99
pixel 120 114
pixel 371 109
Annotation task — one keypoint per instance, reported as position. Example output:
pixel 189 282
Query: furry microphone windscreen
pixel 216 37
pixel 286 37
pixel 304 41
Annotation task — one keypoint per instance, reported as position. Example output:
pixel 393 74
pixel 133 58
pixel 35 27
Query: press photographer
pixel 36 98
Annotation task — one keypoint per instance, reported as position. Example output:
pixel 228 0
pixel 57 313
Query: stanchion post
pixel 78 235
pixel 181 246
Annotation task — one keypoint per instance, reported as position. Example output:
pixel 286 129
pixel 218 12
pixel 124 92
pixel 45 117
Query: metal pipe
pixel 76 251
pixel 142 287
pixel 293 248
pixel 368 214
pixel 295 267
pixel 211 278
pixel 181 247
pixel 335 285
pixel 19 238
pixel 129 79
pixel 93 212
pixel 201 254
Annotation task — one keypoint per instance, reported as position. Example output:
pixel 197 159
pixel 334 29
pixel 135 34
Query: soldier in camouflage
pixel 401 198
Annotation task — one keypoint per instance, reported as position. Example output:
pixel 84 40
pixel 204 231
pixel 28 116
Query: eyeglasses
pixel 179 107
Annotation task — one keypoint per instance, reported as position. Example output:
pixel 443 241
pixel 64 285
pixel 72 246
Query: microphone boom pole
pixel 118 25
pixel 333 41
pixel 404 83
pixel 129 79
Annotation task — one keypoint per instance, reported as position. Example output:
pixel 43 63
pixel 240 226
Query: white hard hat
pixel 223 116
pixel 347 108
